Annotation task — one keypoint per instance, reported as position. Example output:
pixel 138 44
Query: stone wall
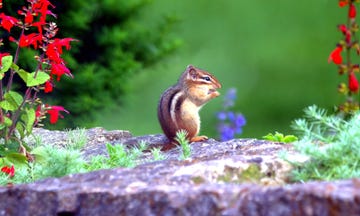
pixel 238 177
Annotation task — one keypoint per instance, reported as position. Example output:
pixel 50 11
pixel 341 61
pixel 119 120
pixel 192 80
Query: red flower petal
pixel 348 37
pixel 353 83
pixel 59 70
pixel 12 171
pixel 343 3
pixel 8 170
pixel 29 18
pixel 48 87
pixel 41 6
pixel 7 22
pixel 342 28
pixel 5 169
pixel 335 55
pixel 352 11
pixel 54 116
pixel 38 111
pixel 30 39
pixel 54 113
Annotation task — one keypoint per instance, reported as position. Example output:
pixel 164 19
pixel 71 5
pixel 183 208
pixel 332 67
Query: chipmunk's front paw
pixel 198 138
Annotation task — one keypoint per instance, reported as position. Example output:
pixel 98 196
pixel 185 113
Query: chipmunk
pixel 179 105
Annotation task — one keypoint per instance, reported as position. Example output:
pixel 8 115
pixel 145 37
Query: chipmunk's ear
pixel 191 72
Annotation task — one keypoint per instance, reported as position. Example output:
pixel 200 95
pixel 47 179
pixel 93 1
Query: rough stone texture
pixel 96 138
pixel 238 177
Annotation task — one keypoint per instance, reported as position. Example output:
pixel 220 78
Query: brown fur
pixel 179 105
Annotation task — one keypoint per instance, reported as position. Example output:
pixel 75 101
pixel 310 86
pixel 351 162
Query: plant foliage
pixel 279 137
pixel 32 53
pixel 184 143
pixel 115 44
pixel 57 161
pixel 331 143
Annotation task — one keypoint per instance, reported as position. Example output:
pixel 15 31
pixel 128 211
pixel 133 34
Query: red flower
pixel 352 11
pixel 29 18
pixel 39 26
pixel 54 49
pixel 348 37
pixel 53 54
pixel 343 3
pixel 8 170
pixel 345 32
pixel 27 40
pixel 38 112
pixel 59 43
pixel 41 6
pixel 335 55
pixel 342 28
pixel 54 113
pixel 353 83
pixel 7 22
pixel 59 70
pixel 48 87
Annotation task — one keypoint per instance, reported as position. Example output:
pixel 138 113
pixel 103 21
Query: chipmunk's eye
pixel 206 78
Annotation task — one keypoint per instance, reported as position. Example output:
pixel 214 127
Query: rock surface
pixel 238 177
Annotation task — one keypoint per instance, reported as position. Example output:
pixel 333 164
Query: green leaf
pixel 26 124
pixel 269 137
pixel 24 75
pixel 14 67
pixel 21 129
pixel 31 119
pixel 290 138
pixel 40 154
pixel 28 118
pixel 7 123
pixel 12 101
pixel 6 62
pixel 41 77
pixel 16 157
pixel 279 137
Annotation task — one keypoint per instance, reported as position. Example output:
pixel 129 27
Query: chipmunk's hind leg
pixel 199 139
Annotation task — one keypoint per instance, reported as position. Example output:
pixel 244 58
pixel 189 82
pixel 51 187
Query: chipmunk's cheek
pixel 213 92
pixel 216 94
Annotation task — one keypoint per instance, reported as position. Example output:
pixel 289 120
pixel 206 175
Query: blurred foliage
pixel 274 53
pixel 113 45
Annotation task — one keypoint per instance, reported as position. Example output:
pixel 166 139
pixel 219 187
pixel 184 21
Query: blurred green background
pixel 274 52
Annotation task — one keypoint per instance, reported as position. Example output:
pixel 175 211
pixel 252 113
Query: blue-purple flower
pixel 230 123
pixel 230 98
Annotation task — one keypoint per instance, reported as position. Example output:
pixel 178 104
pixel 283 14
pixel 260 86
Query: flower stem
pixel 12 71
pixel 16 115
pixel 348 50
pixel 1 91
